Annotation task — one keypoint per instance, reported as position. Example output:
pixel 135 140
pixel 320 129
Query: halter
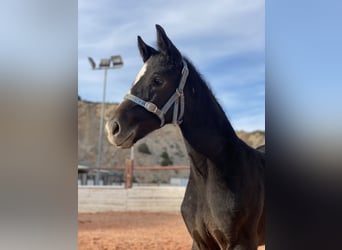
pixel 177 99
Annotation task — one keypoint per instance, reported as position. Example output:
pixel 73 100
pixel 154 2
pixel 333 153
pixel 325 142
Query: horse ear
pixel 166 46
pixel 145 50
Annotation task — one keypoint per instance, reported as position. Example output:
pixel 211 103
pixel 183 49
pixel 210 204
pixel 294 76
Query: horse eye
pixel 157 81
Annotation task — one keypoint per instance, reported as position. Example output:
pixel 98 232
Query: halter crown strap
pixel 177 99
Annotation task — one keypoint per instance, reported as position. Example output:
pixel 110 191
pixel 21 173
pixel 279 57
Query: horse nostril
pixel 115 128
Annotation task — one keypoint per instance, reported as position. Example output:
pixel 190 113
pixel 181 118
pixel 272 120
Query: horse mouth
pixel 124 143
pixel 127 142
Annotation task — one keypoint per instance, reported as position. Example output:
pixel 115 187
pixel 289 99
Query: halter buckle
pixel 151 107
pixel 179 92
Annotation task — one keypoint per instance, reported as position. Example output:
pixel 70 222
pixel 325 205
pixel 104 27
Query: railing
pixel 129 168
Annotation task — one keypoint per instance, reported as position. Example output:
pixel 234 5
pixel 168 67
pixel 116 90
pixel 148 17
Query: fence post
pixel 128 173
pixel 84 178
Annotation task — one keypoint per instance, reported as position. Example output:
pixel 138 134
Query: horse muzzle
pixel 118 137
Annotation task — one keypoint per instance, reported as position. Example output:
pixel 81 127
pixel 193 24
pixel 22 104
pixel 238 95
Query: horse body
pixel 223 203
pixel 220 209
pixel 224 199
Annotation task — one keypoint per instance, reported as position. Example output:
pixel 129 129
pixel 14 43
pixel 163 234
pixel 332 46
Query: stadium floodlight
pixel 117 61
pixel 92 63
pixel 105 64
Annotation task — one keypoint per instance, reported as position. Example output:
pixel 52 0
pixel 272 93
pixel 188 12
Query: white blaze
pixel 141 73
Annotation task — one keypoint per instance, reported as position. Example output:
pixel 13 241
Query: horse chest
pixel 208 209
pixel 208 224
pixel 208 202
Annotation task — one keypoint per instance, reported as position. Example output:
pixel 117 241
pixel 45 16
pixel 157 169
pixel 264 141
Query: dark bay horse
pixel 223 206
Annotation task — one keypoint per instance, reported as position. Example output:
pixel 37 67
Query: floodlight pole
pixel 99 146
pixel 105 65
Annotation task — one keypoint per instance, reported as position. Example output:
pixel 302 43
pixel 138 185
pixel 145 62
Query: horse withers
pixel 223 206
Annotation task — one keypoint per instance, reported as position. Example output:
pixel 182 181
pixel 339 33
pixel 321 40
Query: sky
pixel 225 40
pixel 304 71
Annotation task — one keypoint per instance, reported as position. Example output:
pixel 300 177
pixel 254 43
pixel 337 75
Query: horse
pixel 223 205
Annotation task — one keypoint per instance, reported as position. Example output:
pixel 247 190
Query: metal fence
pixel 128 171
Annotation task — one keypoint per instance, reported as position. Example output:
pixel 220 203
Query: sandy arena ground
pixel 133 230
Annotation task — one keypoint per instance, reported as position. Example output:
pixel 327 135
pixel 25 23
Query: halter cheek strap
pixel 177 99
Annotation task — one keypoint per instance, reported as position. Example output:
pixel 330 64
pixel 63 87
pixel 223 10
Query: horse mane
pixel 204 97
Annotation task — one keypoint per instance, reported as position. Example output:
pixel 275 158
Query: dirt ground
pixel 133 230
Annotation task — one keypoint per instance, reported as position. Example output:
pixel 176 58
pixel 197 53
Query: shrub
pixel 166 161
pixel 143 148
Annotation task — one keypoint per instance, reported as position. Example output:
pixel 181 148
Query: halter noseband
pixel 177 99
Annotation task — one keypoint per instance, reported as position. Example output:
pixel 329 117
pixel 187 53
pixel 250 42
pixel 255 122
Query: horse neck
pixel 205 126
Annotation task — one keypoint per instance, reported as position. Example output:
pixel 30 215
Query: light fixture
pixel 92 63
pixel 117 61
pixel 104 63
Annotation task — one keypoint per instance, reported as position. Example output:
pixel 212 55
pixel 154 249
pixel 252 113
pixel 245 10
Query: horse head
pixel 157 88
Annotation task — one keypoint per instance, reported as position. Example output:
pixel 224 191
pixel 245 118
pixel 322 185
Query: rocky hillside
pixel 162 147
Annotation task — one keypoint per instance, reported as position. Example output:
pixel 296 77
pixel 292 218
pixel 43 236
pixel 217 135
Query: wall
pixel 92 199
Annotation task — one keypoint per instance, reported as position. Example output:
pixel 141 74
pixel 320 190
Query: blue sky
pixel 225 40
pixel 304 69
